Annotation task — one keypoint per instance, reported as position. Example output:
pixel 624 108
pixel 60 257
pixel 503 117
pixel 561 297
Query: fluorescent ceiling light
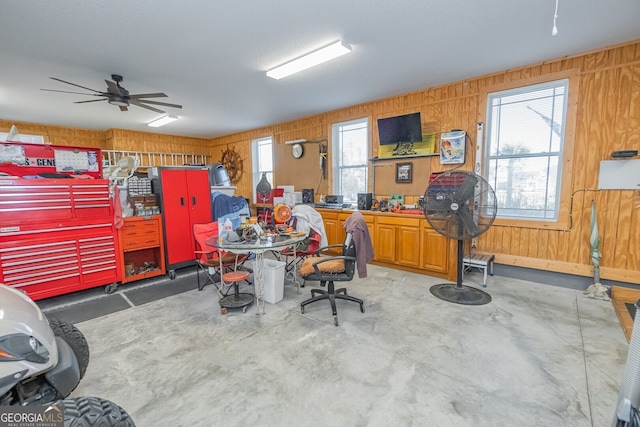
pixel 163 121
pixel 314 58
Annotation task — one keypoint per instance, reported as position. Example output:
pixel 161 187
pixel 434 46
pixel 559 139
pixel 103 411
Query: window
pixel 262 154
pixel 524 149
pixel 30 139
pixel 350 156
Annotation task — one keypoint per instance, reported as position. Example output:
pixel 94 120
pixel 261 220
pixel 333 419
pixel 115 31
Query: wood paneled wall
pixel 608 120
pixel 128 140
pixel 58 135
pixel 113 139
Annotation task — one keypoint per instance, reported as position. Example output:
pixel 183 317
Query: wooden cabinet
pixel 142 246
pixel 185 199
pixel 434 248
pixel 397 240
pixel 335 234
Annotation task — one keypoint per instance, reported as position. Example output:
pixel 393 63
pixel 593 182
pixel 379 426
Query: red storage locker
pixel 185 199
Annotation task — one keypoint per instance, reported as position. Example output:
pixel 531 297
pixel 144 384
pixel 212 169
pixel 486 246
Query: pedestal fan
pixel 460 205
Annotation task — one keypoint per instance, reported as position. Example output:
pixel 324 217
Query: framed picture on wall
pixel 404 172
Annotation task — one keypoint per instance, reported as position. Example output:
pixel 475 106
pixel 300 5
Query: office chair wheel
pixel 172 274
pixel 244 309
pixel 301 310
pixel 335 320
pixel 361 308
pixel 223 311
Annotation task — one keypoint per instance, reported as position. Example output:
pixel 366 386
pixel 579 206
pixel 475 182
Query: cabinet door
pixel 199 197
pixel 408 246
pixel 385 242
pixel 332 228
pixel 433 250
pixel 177 227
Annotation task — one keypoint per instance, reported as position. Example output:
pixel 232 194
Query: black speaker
pixel 307 195
pixel 364 201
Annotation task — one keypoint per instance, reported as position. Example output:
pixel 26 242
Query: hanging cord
pixel 554 31
pixel 586 190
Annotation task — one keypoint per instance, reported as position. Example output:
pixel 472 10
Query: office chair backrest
pixel 349 249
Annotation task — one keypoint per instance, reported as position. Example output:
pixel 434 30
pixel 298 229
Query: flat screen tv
pixel 406 128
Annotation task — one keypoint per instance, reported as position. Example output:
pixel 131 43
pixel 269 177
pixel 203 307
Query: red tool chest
pixel 56 235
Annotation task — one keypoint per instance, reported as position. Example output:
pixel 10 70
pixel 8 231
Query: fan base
pixel 460 294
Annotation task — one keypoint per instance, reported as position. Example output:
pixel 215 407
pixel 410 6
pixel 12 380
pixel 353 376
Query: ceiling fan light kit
pixel 312 59
pixel 163 121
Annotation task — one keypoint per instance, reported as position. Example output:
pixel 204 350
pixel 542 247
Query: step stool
pixel 484 261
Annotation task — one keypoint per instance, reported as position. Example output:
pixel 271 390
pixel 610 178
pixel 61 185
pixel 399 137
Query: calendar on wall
pixel 70 161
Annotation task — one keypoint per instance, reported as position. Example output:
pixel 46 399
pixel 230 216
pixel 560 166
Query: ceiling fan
pixel 119 96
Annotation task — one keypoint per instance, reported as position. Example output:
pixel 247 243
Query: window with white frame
pixel 523 155
pixel 31 139
pixel 262 155
pixel 349 146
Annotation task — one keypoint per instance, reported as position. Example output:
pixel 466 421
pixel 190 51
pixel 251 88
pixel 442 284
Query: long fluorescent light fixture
pixel 163 121
pixel 319 56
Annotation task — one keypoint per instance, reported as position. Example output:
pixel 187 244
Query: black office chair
pixel 328 270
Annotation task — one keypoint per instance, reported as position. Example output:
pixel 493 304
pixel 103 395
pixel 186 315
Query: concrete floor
pixel 537 355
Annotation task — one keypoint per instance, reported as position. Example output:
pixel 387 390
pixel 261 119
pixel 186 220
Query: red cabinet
pixel 185 199
pixel 57 236
pixel 142 244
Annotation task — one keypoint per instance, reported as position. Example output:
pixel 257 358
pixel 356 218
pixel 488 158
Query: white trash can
pixel 273 281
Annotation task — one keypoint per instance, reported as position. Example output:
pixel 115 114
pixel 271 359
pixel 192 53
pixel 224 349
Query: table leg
pixel 258 277
pixel 295 268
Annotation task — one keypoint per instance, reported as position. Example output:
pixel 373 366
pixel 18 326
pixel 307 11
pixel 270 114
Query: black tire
pixel 76 340
pixel 93 412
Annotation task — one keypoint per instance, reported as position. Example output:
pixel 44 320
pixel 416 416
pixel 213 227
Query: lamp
pixel 263 189
pixel 319 56
pixel 163 120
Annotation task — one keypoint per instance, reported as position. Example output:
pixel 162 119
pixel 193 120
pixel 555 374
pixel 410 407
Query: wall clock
pixel 297 150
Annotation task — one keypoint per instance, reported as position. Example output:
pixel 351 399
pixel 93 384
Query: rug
pixel 89 304
pixel 631 307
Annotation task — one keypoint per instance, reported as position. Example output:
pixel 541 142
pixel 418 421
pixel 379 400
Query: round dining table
pixel 276 243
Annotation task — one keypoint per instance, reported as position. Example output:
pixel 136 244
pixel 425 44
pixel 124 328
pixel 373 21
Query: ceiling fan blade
pixel 469 223
pixel 136 102
pixel 165 104
pixel 465 191
pixel 149 95
pixel 77 93
pixel 91 100
pixel 73 84
pixel 113 87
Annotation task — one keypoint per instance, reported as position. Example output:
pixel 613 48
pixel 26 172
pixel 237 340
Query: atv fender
pixel 65 376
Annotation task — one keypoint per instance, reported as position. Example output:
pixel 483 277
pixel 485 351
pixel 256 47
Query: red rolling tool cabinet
pixel 56 235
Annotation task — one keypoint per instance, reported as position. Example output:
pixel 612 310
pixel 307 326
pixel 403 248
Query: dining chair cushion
pixel 330 266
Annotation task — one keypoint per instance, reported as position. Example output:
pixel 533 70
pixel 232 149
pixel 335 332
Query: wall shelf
pixel 378 159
